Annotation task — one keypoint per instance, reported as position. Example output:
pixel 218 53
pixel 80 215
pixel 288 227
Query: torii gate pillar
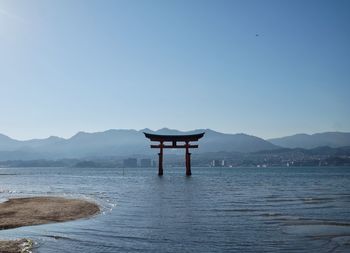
pixel 160 160
pixel 188 161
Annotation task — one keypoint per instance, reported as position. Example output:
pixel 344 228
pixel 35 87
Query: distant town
pixel 322 156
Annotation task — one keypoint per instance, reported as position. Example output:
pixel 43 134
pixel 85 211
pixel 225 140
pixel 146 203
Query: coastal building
pixel 215 163
pixel 145 163
pixel 130 163
pixel 218 163
pixel 154 163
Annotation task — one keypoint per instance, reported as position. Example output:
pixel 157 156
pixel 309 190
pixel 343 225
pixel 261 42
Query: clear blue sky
pixel 267 68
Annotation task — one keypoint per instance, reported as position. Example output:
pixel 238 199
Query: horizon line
pixel 167 128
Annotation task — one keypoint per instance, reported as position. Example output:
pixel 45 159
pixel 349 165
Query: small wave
pixel 59 237
pixel 237 210
pixel 289 220
pixel 8 191
pixel 311 200
pixel 281 217
pixel 342 240
pixel 317 231
pixel 282 200
pixel 271 214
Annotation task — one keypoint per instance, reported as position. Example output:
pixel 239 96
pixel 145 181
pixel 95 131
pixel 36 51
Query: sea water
pixel 214 210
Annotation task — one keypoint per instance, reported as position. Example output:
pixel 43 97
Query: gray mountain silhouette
pixel 121 142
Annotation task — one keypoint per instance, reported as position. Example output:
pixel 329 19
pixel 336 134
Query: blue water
pixel 215 210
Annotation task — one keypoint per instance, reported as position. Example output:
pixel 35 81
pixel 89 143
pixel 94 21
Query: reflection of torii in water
pixel 174 139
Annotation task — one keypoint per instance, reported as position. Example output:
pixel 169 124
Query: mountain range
pixel 121 143
pixel 309 141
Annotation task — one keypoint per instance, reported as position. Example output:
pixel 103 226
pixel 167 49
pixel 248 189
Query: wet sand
pixel 40 210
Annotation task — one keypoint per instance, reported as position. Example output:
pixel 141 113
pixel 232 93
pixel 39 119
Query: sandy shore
pixel 40 210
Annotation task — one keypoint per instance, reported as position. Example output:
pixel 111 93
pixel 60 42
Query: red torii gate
pixel 174 139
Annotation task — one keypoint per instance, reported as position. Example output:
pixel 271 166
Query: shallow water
pixel 215 210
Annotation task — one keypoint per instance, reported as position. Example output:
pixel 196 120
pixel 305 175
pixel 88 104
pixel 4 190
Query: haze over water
pixel 215 210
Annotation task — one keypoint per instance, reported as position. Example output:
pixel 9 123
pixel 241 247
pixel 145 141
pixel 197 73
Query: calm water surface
pixel 215 210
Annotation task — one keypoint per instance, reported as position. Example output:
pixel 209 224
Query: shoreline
pixel 19 212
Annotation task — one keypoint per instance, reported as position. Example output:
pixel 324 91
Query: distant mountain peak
pixel 167 129
pixel 80 133
pixel 147 130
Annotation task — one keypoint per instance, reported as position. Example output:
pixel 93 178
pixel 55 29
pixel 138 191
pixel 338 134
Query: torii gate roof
pixel 188 137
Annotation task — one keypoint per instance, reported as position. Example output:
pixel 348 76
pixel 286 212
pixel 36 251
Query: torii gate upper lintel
pixel 173 139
